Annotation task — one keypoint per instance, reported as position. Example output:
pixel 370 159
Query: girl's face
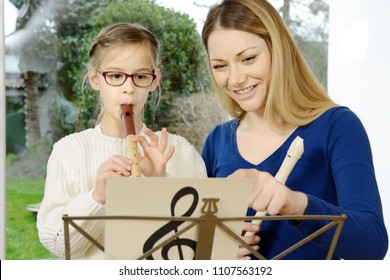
pixel 241 66
pixel 129 59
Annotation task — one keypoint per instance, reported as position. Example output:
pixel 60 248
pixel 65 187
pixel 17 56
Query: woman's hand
pixel 115 166
pixel 270 195
pixel 155 158
pixel 253 240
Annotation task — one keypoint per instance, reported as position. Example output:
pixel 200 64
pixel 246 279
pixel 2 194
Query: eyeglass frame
pixel 104 73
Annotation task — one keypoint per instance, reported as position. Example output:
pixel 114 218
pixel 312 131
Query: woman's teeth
pixel 245 91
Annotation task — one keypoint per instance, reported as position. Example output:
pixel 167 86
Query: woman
pixel 273 97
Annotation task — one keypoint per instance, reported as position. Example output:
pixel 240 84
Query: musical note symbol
pixel 173 226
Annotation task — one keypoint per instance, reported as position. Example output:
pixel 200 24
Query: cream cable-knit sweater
pixel 70 180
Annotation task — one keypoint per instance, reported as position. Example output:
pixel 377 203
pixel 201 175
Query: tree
pixel 32 65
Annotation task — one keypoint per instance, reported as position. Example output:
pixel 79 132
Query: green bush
pixel 182 56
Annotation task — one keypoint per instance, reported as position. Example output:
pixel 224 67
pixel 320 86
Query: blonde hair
pixel 120 34
pixel 294 96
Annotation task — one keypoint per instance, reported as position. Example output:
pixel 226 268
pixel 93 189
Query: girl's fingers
pixel 154 142
pixel 153 138
pixel 164 140
pixel 168 154
pixel 142 140
pixel 117 164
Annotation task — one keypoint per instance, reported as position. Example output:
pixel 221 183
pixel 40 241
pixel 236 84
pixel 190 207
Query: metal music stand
pixel 207 223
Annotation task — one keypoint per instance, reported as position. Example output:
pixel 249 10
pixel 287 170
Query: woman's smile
pixel 245 91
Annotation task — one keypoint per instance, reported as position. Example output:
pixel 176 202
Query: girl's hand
pixel 253 240
pixel 115 166
pixel 155 158
pixel 270 195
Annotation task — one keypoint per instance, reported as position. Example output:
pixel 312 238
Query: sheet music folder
pixel 166 218
pixel 172 198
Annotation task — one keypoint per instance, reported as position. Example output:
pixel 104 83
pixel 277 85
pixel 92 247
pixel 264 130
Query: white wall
pixel 359 75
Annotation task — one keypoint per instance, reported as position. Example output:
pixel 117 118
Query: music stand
pixel 207 224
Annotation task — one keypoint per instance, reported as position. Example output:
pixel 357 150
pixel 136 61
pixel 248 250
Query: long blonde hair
pixel 295 96
pixel 119 34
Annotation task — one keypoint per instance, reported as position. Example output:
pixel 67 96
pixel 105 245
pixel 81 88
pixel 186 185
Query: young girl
pixel 123 69
pixel 268 88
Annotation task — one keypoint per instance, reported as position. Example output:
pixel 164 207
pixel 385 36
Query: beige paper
pixel 167 197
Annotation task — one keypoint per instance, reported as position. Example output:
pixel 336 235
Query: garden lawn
pixel 22 242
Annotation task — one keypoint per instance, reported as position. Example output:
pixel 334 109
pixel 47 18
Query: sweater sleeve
pixel 65 195
pixel 363 235
pixel 186 162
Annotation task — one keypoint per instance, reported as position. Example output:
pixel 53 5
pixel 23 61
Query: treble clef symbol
pixel 173 226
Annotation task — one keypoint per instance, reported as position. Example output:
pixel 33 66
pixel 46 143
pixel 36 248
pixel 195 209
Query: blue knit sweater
pixel 337 174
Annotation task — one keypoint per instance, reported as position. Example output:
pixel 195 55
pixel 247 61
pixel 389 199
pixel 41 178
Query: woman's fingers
pixel 252 240
pixel 243 252
pixel 251 227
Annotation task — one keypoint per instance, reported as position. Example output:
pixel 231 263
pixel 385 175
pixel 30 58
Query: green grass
pixel 22 242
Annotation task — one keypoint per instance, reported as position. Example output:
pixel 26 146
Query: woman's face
pixel 130 59
pixel 241 66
